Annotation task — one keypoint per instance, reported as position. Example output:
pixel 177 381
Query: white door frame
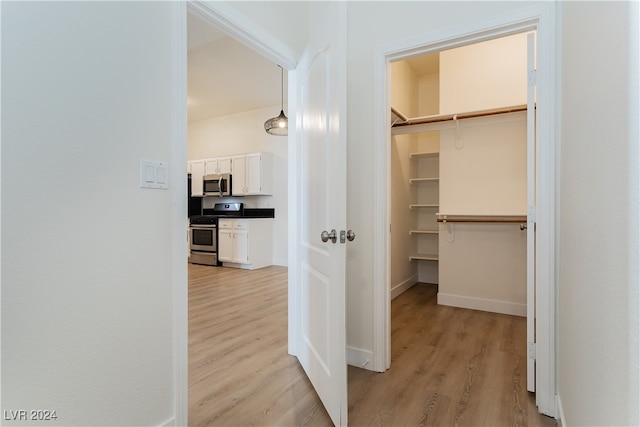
pixel 236 25
pixel 542 19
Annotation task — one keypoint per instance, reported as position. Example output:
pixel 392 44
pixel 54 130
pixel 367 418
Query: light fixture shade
pixel 277 125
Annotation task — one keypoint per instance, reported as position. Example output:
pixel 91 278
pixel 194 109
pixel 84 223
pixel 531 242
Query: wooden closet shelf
pixel 426 154
pixel 423 232
pixel 424 257
pixel 481 218
pixel 446 117
pixel 424 205
pixel 413 180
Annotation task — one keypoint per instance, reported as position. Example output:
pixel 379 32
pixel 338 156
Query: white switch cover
pixel 153 174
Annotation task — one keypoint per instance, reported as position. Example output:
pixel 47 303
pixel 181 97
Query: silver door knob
pixel 351 235
pixel 325 236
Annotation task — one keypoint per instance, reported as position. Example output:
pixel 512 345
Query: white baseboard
pixel 494 306
pixel 359 358
pixel 171 422
pixel 403 286
pixel 559 412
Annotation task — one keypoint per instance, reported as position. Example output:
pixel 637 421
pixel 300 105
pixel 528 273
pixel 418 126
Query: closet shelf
pixel 414 180
pixel 481 218
pixel 427 257
pixel 404 121
pixel 423 232
pixel 423 205
pixel 397 116
pixel 432 154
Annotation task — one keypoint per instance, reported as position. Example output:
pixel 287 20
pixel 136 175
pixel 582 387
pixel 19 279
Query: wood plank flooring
pixel 449 366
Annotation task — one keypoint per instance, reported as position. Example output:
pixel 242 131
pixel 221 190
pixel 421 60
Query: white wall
pixel 598 289
pixel 464 85
pixel 244 133
pixel 483 171
pixel 87 312
pixel 285 20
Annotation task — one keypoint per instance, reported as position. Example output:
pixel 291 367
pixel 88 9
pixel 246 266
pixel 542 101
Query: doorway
pixel 263 47
pixel 460 176
pixel 541 22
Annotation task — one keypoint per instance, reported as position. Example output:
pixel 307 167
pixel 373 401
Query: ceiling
pixel 225 77
pixel 425 64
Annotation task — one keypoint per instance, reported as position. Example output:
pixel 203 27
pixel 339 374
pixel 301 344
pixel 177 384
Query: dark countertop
pixel 247 213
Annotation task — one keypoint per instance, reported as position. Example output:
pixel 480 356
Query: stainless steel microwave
pixel 216 185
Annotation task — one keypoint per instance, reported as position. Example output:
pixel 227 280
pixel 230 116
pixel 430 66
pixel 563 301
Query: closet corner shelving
pixel 425 183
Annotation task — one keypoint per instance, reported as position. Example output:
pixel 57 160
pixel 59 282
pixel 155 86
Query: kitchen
pixel 228 137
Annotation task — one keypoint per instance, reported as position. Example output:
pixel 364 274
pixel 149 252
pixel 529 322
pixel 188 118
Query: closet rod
pixel 447 117
pixel 481 218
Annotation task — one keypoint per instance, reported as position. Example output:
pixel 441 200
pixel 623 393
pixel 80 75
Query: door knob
pixel 351 235
pixel 325 236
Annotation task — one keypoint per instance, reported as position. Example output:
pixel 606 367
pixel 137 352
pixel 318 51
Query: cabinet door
pixel 197 172
pixel 211 166
pixel 254 173
pixel 241 246
pixel 225 245
pixel 238 179
pixel 224 165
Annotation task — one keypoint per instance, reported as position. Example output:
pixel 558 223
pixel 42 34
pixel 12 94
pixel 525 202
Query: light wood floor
pixel 449 366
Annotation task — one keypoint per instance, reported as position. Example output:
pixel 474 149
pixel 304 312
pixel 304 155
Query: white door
pixel 531 215
pixel 320 331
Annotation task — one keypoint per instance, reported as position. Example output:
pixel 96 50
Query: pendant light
pixel 278 125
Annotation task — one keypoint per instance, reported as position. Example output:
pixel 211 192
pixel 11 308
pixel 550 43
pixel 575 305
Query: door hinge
pixel 531 350
pixel 532 79
pixel 531 214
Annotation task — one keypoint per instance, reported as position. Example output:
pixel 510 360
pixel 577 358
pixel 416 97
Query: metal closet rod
pixel 446 117
pixel 481 218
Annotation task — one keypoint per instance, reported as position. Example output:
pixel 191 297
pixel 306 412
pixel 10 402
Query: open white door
pixel 531 214
pixel 320 186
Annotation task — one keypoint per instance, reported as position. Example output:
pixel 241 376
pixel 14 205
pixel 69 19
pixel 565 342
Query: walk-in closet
pixel 459 183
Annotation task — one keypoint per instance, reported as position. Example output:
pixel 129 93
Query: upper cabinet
pixel 218 165
pixel 252 174
pixel 197 170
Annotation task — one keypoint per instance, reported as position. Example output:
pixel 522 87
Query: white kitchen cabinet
pixel 197 170
pixel 238 177
pixel 252 174
pixel 217 165
pixel 245 243
pixel 225 243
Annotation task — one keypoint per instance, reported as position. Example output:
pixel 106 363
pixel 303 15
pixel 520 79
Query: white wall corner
pixel 360 358
pixel 403 286
pixel 559 412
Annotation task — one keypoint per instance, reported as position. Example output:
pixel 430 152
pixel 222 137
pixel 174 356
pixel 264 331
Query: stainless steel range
pixel 204 232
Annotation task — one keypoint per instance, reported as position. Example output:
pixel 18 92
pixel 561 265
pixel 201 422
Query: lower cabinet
pixel 245 243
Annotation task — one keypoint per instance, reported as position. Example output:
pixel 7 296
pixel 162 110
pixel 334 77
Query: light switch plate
pixel 154 174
